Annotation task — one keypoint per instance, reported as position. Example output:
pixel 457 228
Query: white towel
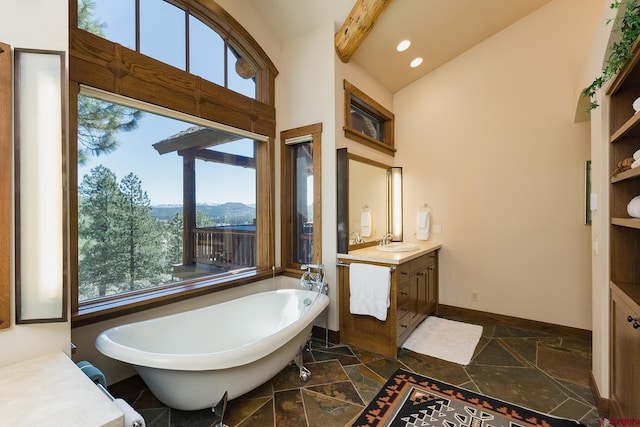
pixel 636 155
pixel 369 285
pixel 423 224
pixel 635 164
pixel 365 224
pixel 633 208
pixel 131 416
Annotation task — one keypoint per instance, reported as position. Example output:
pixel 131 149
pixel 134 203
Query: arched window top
pixel 201 40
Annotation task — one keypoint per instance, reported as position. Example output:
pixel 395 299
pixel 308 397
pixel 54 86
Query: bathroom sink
pixel 397 247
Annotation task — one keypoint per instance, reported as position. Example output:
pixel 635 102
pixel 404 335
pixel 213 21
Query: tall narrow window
pixel 301 201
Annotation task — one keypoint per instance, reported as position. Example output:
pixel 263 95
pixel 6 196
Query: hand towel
pixel 365 224
pixel 636 155
pixel 635 164
pixel 423 224
pixel 370 286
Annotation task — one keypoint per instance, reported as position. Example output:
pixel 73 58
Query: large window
pixel 171 151
pixel 131 213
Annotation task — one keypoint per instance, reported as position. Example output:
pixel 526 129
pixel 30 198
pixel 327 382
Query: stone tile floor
pixel 544 372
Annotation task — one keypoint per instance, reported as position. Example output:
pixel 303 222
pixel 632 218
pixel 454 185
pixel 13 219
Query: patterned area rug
pixel 411 400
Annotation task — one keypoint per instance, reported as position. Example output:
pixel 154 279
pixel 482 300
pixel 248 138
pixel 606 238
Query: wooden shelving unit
pixel 624 237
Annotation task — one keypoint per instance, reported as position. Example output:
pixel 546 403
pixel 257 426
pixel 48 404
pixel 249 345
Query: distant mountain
pixel 220 213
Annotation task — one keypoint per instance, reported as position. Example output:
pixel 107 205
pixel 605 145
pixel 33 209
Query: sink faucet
pixel 357 239
pixel 386 239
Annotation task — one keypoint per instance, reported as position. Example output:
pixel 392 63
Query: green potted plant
pixel 628 28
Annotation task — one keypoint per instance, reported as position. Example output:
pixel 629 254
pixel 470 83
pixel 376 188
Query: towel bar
pixel 342 264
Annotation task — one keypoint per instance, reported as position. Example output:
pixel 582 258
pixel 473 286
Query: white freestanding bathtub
pixel 188 360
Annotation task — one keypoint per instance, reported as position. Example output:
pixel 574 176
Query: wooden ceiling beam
pixel 357 26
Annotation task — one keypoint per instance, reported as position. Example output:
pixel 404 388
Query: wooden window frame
pixel 292 268
pixel 355 97
pixel 102 64
pixel 6 177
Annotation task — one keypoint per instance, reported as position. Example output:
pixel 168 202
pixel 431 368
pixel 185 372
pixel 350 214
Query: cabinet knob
pixel 630 319
pixel 403 326
pixel 420 273
pixel 404 293
pixel 636 325
pixel 404 273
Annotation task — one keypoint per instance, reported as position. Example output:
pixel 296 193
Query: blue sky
pixel 162 37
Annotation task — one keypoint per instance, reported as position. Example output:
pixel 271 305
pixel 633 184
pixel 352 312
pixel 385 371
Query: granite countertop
pixel 371 254
pixel 52 391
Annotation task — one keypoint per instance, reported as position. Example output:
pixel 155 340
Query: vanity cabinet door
pixel 422 285
pixel 420 289
pixel 406 303
pixel 431 305
pixel 625 353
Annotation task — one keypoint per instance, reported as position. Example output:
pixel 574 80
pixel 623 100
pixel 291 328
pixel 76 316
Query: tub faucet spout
pixel 315 279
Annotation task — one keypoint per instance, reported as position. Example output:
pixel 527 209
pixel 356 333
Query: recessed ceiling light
pixel 403 45
pixel 416 62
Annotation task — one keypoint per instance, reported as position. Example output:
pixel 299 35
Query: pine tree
pixel 141 248
pixel 99 203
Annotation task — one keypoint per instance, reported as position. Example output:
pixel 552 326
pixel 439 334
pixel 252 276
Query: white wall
pixel 45 28
pixel 489 141
pixel 600 219
pixel 305 97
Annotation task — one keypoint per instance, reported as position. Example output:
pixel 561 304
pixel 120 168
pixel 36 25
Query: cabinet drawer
pixel 404 325
pixel 403 293
pixel 403 273
pixel 431 258
pixel 420 263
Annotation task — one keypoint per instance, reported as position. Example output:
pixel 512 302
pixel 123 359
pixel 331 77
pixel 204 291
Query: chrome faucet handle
pixel 386 239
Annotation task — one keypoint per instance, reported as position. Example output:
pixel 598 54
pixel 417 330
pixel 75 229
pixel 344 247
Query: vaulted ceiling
pixel 439 30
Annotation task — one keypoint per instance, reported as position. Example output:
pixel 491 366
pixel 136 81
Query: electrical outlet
pixel 474 296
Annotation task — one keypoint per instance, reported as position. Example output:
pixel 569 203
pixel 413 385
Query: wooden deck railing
pixel 228 246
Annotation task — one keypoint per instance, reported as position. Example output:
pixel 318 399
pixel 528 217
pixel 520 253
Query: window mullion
pixel 137 25
pixel 187 41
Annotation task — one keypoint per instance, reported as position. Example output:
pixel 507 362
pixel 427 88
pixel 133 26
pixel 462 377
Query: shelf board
pixel 626 129
pixel 626 222
pixel 628 174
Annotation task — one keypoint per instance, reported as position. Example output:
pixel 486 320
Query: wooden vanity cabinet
pixel 413 296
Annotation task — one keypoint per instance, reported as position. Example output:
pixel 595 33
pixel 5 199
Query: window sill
pixel 367 140
pixel 105 309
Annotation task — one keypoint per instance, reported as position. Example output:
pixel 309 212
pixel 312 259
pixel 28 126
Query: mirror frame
pixel 342 203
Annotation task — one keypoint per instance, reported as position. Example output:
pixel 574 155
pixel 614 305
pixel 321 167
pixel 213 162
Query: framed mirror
pixel 363 201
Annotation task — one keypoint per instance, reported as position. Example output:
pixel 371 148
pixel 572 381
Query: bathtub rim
pixel 229 358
